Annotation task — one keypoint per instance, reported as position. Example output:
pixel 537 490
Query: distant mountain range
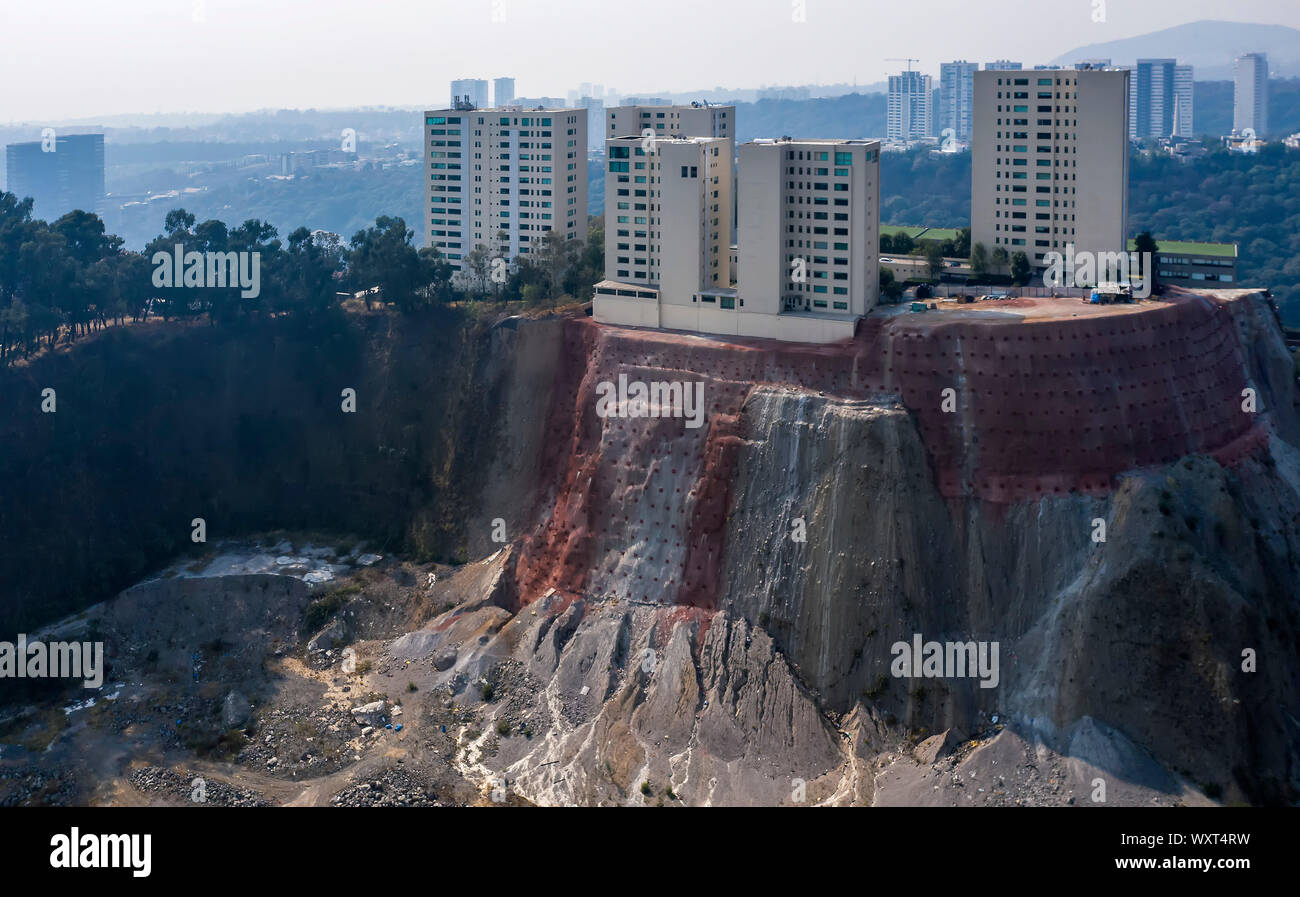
pixel 1209 46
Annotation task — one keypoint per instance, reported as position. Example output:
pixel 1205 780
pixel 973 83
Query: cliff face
pixel 243 427
pixel 1145 631
pixel 839 520
pixel 715 607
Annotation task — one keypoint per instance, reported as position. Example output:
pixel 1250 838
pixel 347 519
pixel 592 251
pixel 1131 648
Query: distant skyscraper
pixel 1002 65
pixel 475 89
pixel 1184 94
pixel 595 121
pixel 67 178
pixel 503 91
pixel 956 94
pixel 1160 92
pixel 1250 93
pixel 910 114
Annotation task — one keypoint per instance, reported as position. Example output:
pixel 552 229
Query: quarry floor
pixel 134 740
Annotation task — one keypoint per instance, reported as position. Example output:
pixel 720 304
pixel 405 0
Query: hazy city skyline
pixel 70 59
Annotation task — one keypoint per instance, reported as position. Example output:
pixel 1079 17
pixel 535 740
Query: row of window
pixel 841 158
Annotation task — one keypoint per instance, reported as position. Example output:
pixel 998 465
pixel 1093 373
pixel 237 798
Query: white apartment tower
pixel 512 171
pixel 473 90
pixel 910 114
pixel 1050 161
pixel 667 227
pixel 956 96
pixel 1250 94
pixel 808 238
pixel 809 232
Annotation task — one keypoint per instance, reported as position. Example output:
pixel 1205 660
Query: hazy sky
pixel 77 58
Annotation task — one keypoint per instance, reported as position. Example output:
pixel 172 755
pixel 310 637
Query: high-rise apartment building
pixel 61 174
pixel 1002 65
pixel 473 91
pixel 502 178
pixel 695 120
pixel 1160 99
pixel 809 233
pixel 808 239
pixel 668 226
pixel 1050 162
pixel 956 95
pixel 1250 94
pixel 910 114
pixel 503 91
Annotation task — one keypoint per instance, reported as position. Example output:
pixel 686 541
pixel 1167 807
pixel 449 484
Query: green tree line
pixel 63 280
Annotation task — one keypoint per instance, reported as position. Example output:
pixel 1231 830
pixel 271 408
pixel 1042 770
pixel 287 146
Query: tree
pixel 934 258
pixel 383 256
pixel 307 272
pixel 979 260
pixel 1020 270
pixel 178 223
pixel 1146 247
pixel 961 245
pixel 478 264
pixel 435 274
pixel 890 289
pixel 556 257
pixel 1000 259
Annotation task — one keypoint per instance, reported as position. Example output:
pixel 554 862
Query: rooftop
pixel 819 141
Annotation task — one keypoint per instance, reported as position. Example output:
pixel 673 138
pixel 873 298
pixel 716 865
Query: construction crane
pixel 908 59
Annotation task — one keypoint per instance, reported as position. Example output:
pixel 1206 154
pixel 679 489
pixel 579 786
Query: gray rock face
pixel 1144 631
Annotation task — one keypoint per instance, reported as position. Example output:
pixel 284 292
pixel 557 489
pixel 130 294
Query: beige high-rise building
pixel 808 237
pixel 668 226
pixel 502 178
pixel 1050 162
pixel 809 234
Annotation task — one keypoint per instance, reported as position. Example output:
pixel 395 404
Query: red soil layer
pixel 635 508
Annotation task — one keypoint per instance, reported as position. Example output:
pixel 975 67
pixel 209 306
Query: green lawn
pixel 895 229
pixel 1220 250
pixel 920 233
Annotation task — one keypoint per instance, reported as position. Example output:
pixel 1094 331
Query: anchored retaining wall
pixel 634 508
